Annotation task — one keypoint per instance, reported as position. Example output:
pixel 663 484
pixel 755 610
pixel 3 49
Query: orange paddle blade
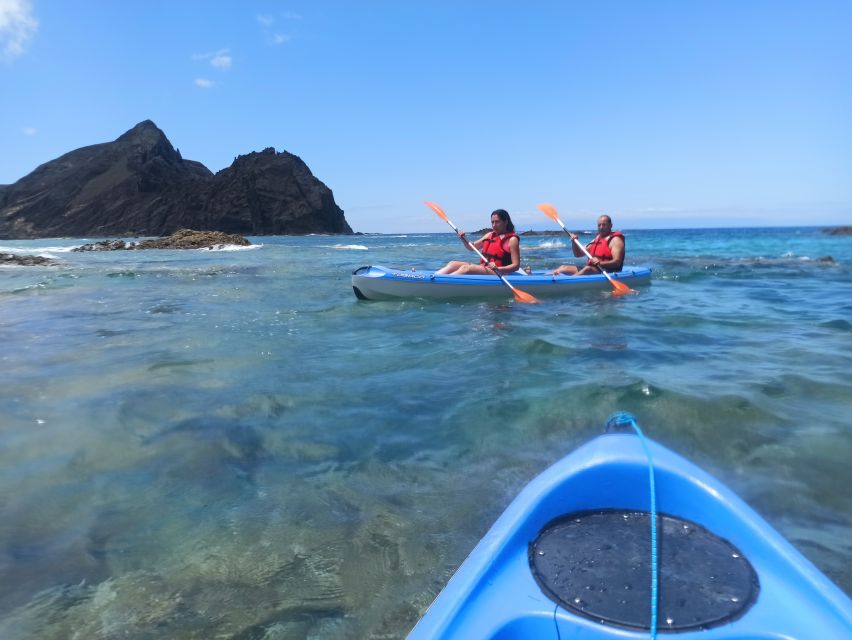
pixel 523 296
pixel 619 288
pixel 550 211
pixel 434 207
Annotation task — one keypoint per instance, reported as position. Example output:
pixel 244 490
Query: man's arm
pixel 616 247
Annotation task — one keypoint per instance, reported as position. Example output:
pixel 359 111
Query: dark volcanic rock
pixel 189 239
pixel 106 245
pixel 181 239
pixel 26 261
pixel 252 194
pixel 838 231
pixel 139 185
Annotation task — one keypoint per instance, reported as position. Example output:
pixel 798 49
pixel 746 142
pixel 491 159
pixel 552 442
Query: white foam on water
pixel 230 247
pixel 551 244
pixel 37 251
pixel 349 247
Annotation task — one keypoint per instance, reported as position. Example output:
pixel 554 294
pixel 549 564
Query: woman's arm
pixel 477 243
pixel 467 243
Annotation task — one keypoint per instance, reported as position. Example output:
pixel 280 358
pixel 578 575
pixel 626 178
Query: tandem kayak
pixel 381 283
pixel 571 557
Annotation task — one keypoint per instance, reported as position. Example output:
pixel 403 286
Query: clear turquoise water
pixel 227 444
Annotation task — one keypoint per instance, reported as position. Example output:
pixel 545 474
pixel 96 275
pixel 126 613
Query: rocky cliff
pixel 139 185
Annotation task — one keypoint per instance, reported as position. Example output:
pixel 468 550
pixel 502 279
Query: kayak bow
pixel 571 556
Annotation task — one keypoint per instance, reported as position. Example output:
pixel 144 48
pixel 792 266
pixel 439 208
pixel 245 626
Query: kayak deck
pixel 376 282
pixel 495 594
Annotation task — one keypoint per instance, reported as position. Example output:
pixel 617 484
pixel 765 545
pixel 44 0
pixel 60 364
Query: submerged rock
pixel 180 239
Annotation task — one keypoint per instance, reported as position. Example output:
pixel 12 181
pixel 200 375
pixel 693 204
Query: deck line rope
pixel 624 417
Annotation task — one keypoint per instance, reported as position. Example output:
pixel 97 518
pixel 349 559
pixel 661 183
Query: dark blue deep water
pixel 227 444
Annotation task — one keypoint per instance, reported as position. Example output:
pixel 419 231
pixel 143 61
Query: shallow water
pixel 228 444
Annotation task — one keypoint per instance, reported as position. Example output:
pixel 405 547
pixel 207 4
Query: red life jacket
pixel 496 249
pixel 599 247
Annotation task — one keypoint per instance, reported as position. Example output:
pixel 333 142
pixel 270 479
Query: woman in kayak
pixel 607 251
pixel 501 247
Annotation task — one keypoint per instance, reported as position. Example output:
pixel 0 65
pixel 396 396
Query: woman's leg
pixel 450 267
pixel 473 270
pixel 565 270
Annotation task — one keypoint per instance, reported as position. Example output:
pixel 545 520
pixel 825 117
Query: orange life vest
pixel 496 248
pixel 599 247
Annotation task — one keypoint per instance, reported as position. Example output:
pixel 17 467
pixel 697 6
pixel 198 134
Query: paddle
pixel 618 288
pixel 520 296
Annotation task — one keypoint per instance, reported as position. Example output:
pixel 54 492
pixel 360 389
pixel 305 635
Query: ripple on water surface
pixel 230 444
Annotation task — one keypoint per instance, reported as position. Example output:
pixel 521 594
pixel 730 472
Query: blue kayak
pixel 575 556
pixel 376 282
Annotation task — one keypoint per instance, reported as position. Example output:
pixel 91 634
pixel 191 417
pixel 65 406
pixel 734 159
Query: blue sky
pixel 687 113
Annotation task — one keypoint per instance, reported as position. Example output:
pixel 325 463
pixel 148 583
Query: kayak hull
pixel 494 594
pixel 382 283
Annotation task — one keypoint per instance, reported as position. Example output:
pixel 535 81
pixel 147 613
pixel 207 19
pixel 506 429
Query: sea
pixel 228 444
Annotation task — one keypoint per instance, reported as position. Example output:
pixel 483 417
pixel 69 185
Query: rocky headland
pixel 140 185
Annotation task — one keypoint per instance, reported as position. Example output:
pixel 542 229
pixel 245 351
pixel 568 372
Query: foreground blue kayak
pixel 382 283
pixel 571 557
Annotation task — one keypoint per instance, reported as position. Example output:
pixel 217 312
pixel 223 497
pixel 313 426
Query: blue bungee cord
pixel 622 418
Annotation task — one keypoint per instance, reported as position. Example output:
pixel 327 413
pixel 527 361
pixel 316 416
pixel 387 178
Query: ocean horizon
pixel 228 443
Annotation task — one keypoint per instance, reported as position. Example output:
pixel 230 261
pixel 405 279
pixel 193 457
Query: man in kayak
pixel 501 247
pixel 607 251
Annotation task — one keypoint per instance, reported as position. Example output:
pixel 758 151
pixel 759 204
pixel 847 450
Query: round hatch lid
pixel 597 564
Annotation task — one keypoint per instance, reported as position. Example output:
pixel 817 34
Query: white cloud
pixel 267 21
pixel 17 27
pixel 204 83
pixel 222 60
pixel 28 131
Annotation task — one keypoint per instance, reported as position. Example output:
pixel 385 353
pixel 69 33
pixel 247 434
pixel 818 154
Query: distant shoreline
pixel 827 229
pixel 833 230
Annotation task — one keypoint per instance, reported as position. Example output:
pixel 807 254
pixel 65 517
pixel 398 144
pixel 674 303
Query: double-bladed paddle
pixel 618 288
pixel 520 296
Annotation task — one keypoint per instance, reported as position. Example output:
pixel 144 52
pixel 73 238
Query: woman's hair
pixel 505 217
